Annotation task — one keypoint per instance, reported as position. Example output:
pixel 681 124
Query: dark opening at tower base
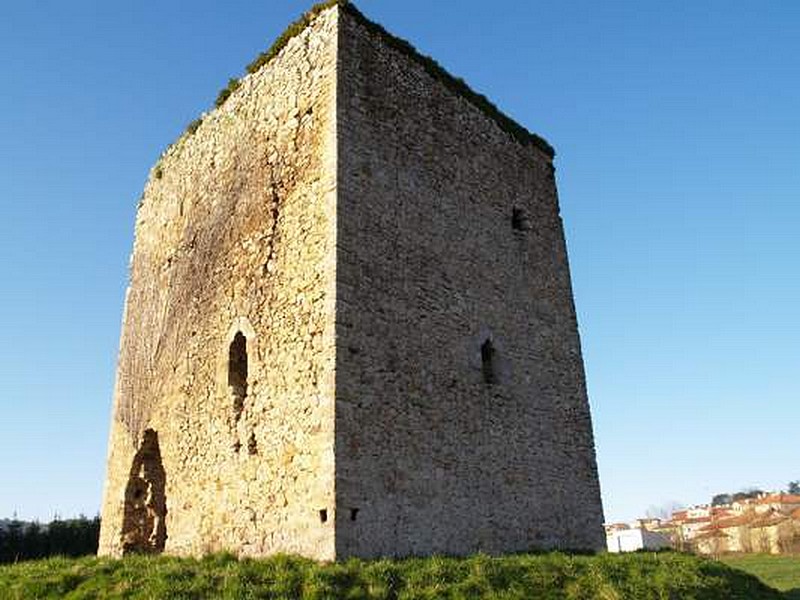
pixel 144 527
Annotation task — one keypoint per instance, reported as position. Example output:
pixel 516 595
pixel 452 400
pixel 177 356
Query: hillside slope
pixel 547 576
pixel 779 571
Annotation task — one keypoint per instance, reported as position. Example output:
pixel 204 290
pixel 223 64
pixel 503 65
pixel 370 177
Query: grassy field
pixel 780 572
pixel 663 576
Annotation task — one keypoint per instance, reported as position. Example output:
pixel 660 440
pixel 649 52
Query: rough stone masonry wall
pixel 430 458
pixel 235 234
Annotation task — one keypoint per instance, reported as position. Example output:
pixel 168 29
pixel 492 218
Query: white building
pixel 630 540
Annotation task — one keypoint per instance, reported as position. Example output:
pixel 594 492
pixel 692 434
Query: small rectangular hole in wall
pixel 353 514
pixel 323 516
pixel 488 362
pixel 519 220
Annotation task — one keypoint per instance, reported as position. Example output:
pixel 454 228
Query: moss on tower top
pixel 455 84
pixel 434 69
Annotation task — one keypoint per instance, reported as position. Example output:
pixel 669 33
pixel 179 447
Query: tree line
pixel 727 498
pixel 21 540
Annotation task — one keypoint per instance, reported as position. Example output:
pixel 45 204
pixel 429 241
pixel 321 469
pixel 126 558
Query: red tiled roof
pixel 769 520
pixel 728 523
pixel 697 520
pixel 711 534
pixel 779 499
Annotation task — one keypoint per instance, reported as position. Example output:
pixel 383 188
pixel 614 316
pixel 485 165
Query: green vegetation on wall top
pixel 225 93
pixel 295 29
pixel 454 84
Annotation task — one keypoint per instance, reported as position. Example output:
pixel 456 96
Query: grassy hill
pixel 553 576
pixel 781 572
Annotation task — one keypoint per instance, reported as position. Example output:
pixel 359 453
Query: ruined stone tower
pixel 349 328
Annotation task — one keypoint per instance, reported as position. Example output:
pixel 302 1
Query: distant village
pixel 768 522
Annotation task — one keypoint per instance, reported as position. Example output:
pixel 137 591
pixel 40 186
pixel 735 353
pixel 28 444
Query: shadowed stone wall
pixel 449 238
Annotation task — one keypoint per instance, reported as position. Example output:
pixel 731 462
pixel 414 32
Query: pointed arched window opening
pixel 488 360
pixel 237 373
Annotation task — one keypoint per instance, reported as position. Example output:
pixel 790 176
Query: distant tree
pixel 12 537
pixel 25 541
pixel 721 499
pixel 33 541
pixel 794 487
pixel 664 511
pixel 760 540
pixel 715 545
pixel 747 494
pixel 745 538
pixel 679 540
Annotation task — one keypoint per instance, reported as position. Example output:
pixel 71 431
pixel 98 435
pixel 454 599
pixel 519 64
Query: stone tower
pixel 349 329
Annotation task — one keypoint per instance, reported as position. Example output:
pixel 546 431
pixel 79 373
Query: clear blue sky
pixel 678 136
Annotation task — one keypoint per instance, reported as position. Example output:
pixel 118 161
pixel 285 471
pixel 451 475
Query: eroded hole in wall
pixel 252 446
pixel 488 360
pixel 519 219
pixel 323 516
pixel 144 527
pixel 353 514
pixel 237 373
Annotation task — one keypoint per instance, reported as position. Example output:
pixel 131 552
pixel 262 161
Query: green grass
pixel 780 572
pixel 663 576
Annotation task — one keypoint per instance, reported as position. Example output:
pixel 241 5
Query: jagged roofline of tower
pixel 455 84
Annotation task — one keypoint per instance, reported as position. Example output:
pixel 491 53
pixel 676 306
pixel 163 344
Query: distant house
pixel 769 522
pixel 635 538
pixel 770 503
pixel 692 526
pixel 680 515
pixel 712 542
pixel 731 534
pixel 686 525
pixel 651 524
pixel 611 527
pixel 767 502
pixel 720 512
pixel 769 525
pixel 698 512
pixel 774 533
